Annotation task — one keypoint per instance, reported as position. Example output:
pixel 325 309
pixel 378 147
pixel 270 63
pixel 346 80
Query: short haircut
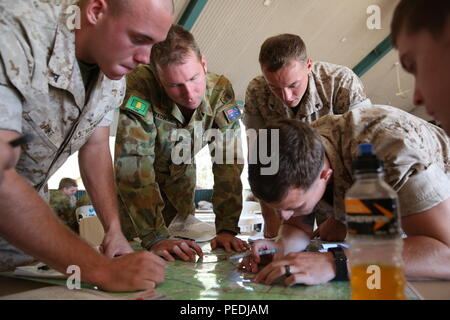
pixel 277 51
pixel 301 158
pixel 120 6
pixel 67 183
pixel 117 7
pixel 413 16
pixel 175 49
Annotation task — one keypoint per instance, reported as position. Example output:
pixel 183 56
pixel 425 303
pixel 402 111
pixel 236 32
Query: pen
pixel 246 254
pixel 21 140
pixel 183 238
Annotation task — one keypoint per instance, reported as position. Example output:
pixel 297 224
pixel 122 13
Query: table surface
pixel 215 277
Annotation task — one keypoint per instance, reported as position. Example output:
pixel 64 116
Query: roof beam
pixel 191 13
pixel 373 57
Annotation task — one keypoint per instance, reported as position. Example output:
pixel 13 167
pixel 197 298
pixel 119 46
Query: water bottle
pixel 374 233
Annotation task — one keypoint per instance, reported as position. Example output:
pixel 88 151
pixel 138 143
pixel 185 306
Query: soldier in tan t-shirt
pixel 293 87
pixel 316 159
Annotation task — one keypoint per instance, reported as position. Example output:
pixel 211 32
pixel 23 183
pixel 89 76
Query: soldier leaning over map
pixel 176 94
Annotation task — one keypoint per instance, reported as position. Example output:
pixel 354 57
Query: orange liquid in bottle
pixel 377 282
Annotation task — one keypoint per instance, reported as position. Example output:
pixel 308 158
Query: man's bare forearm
pixel 426 258
pixel 97 173
pixel 293 239
pixel 31 226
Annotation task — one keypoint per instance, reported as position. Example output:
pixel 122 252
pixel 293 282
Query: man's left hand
pixel 115 244
pixel 310 268
pixel 229 242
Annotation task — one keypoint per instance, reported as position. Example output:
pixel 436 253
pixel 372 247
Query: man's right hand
pixel 184 249
pixel 136 271
pixel 250 264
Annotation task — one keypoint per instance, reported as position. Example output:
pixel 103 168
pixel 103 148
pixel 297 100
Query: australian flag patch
pixel 232 113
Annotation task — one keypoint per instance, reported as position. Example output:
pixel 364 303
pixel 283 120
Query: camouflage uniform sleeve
pixel 139 194
pixel 350 92
pixel 227 193
pixel 251 117
pixel 109 117
pixel 10 104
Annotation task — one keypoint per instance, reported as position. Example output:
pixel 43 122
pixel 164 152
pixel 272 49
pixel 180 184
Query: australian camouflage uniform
pixel 154 185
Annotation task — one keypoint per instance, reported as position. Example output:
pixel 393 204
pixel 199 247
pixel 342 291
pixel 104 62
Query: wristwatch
pixel 341 264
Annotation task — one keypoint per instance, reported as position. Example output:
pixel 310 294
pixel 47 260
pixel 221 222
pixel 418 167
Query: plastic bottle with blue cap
pixel 374 233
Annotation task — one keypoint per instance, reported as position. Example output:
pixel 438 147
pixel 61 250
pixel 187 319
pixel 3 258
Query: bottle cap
pixel 367 161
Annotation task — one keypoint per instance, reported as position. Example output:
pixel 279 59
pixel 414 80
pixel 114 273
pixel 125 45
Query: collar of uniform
pixel 311 102
pixel 177 114
pixel 205 106
pixel 64 72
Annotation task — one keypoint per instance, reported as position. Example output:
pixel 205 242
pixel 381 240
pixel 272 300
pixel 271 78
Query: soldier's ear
pixel 95 10
pixel 309 64
pixel 326 174
pixel 204 64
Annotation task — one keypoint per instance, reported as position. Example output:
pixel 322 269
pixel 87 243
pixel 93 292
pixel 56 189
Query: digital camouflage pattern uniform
pixel 332 89
pixel 42 91
pixel 152 187
pixel 416 154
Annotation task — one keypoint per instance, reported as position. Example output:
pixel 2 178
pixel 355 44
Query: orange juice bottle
pixel 374 235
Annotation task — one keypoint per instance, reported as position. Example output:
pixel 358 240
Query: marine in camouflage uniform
pixel 416 154
pixel 152 188
pixel 43 94
pixel 332 89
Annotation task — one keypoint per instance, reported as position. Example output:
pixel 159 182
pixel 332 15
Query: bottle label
pixel 378 217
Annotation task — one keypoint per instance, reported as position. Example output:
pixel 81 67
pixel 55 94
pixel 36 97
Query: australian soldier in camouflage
pixel 64 202
pixel 169 111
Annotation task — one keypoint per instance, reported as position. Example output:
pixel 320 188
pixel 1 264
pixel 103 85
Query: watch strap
pixel 340 260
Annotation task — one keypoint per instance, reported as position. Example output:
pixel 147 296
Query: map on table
pixel 214 277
